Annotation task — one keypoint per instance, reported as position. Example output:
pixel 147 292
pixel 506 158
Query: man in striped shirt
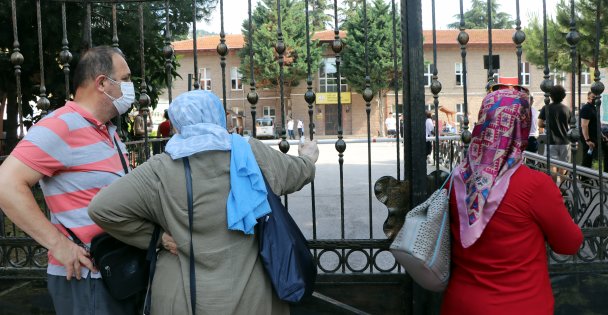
pixel 72 153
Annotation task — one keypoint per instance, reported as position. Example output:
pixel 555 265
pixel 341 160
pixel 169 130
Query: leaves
pixel 293 29
pixel 477 17
pixel 380 48
pixel 559 58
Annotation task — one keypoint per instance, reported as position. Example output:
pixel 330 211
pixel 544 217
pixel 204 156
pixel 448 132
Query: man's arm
pixel 541 123
pixel 18 203
pixel 585 130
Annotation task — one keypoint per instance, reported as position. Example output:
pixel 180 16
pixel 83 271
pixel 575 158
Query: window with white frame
pixel 236 78
pixel 525 73
pixel 429 107
pixel 269 111
pixel 205 78
pixel 428 74
pixel 585 76
pixel 558 78
pixel 328 77
pixel 458 73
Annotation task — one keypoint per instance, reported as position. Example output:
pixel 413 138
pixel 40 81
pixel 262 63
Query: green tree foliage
pixel 380 49
pixel 477 17
pixel 293 27
pixel 559 58
pixel 128 35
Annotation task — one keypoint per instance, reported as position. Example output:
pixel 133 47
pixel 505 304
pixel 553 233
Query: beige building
pixel 325 111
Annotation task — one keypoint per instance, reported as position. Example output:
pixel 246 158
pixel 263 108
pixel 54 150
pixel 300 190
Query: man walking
pixel 554 118
pixel 391 125
pixel 290 128
pixel 300 128
pixel 73 154
pixel 589 136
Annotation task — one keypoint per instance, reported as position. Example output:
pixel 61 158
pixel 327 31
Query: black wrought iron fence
pixel 339 259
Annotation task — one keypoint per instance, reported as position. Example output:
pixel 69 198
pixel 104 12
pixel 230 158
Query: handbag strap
pixel 126 169
pixel 122 158
pixel 190 224
pixel 151 257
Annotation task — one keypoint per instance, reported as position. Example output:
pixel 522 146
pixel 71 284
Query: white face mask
pixel 124 102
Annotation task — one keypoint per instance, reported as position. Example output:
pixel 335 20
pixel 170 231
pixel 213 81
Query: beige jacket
pixel 229 276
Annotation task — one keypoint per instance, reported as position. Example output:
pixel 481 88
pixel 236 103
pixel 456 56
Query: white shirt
pixel 390 123
pixel 430 127
pixel 534 126
pixel 300 124
pixel 290 125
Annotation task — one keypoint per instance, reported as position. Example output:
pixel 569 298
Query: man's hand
pixel 72 257
pixel 168 243
pixel 591 144
pixel 309 149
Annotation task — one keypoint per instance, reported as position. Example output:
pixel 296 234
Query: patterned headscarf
pixel 495 153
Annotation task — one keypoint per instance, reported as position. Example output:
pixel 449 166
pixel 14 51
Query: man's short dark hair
pixel 95 61
pixel 558 93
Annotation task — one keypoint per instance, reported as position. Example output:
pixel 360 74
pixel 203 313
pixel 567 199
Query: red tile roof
pixel 327 35
pixel 444 37
pixel 476 37
pixel 209 42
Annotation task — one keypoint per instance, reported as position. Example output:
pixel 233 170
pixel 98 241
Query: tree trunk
pixel 381 125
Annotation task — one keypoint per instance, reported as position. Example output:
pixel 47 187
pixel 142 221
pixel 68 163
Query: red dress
pixel 505 271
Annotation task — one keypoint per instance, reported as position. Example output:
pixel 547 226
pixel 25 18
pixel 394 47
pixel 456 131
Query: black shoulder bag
pixel 124 268
pixel 284 253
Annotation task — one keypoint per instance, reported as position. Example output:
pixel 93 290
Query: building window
pixel 459 115
pixel 328 77
pixel 525 73
pixel 458 72
pixel 558 78
pixel 205 78
pixel 236 78
pixel 428 74
pixel 269 111
pixel 429 107
pixel 585 76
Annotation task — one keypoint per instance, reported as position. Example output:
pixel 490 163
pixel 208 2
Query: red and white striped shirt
pixel 78 157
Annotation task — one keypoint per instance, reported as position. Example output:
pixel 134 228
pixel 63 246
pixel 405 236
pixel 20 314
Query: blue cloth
pixel 200 121
pixel 248 194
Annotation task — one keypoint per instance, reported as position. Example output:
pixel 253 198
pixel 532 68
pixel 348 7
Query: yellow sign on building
pixel 331 98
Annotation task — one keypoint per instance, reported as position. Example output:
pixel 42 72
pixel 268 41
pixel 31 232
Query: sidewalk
pixel 19 297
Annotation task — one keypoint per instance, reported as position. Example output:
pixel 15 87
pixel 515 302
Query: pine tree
pixel 380 50
pixel 559 58
pixel 293 28
pixel 477 17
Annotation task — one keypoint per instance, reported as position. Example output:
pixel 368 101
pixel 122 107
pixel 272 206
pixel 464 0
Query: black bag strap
pixel 151 257
pixel 126 169
pixel 190 224
pixel 122 158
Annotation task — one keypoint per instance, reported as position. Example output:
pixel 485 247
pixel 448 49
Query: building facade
pixel 325 110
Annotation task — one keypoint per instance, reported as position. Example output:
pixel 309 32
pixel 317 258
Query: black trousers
pixel 588 159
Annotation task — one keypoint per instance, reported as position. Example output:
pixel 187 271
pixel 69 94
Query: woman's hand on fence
pixel 309 149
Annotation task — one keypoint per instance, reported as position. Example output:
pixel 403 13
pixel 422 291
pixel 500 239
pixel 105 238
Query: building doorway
pixel 331 119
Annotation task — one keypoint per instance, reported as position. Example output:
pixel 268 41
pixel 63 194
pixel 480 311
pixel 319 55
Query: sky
pixel 444 12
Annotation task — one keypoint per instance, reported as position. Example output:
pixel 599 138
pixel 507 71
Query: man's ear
pixel 100 82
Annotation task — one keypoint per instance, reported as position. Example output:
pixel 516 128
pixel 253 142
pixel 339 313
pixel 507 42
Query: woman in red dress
pixel 501 214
